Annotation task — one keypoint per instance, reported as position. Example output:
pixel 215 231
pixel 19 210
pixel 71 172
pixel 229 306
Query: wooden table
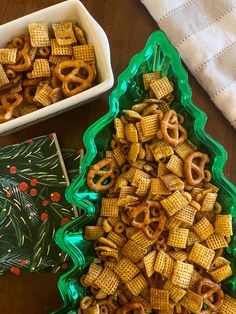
pixel 128 26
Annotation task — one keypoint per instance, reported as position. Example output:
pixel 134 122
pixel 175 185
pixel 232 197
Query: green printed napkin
pixel 33 180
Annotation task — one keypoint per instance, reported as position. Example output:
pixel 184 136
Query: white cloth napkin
pixel 204 33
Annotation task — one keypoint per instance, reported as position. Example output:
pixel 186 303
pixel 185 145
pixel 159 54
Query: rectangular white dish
pixel 64 11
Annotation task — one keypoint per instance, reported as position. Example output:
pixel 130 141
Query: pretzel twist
pixel 12 83
pixel 212 295
pixel 30 87
pixel 195 173
pixel 18 42
pixel 147 221
pixel 77 80
pixel 103 174
pixel 130 307
pixel 23 62
pixel 172 131
pixel 109 302
pixel 8 103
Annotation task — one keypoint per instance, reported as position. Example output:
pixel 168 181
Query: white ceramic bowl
pixel 64 11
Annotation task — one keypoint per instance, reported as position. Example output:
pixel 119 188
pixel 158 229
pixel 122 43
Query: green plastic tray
pixel 158 54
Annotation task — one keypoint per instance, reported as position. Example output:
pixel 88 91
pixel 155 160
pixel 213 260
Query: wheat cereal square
pixel 192 238
pixel 173 182
pixel 192 302
pixel 228 306
pixel 221 273
pixel 164 264
pixel 143 187
pixel 43 95
pixel 3 77
pixel 131 133
pixel 181 275
pixel 108 281
pixel 85 53
pixel 209 201
pixel 8 55
pixel 126 269
pixel 173 203
pixel 149 77
pixel 93 232
pixel 93 272
pixel 120 129
pixel 141 239
pixel 161 87
pixel 109 207
pixel 158 187
pixel 186 215
pixel 119 156
pixel 137 285
pixel 185 149
pixel 133 152
pixel 216 241
pixel 175 165
pixel 178 238
pixel 133 251
pixel 223 225
pixel 149 262
pixel 141 135
pixel 64 33
pixel 41 68
pixel 57 50
pixel 117 238
pixel 203 229
pixel 159 299
pixel 150 125
pixel 175 293
pixel 39 36
pixel 201 255
pixel 161 150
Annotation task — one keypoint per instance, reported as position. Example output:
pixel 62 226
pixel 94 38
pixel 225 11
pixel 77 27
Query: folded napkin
pixel 204 33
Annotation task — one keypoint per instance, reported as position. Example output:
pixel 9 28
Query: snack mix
pixel 43 67
pixel 160 236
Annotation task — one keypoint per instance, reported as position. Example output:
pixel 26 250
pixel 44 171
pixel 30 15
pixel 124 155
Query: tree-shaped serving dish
pixel 158 54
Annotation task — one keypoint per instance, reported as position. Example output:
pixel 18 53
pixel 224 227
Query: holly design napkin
pixel 33 180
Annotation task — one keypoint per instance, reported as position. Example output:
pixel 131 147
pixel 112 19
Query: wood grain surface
pixel 128 26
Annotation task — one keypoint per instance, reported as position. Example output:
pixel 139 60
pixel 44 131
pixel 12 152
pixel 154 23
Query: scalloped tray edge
pixel 91 151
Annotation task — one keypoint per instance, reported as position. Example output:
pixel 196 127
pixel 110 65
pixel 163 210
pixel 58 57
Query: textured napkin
pixel 204 33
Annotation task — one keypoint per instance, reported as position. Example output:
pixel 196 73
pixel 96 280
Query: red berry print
pixel 64 265
pixel 30 141
pixel 33 181
pixel 15 270
pixel 23 262
pixel 33 192
pixel 55 197
pixel 44 216
pixel 45 203
pixel 13 170
pixel 9 193
pixel 64 221
pixel 23 186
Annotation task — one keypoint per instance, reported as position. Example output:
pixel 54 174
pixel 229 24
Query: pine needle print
pixel 32 206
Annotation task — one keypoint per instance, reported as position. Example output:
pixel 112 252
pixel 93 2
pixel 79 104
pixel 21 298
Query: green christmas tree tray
pixel 158 54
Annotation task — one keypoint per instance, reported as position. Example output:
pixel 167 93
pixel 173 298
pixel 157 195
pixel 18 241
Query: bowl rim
pixel 69 103
pixel 84 199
